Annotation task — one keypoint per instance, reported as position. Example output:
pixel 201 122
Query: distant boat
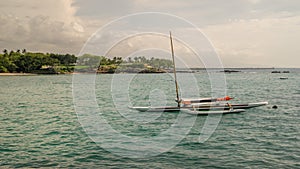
pixel 230 71
pixel 283 78
pixel 275 71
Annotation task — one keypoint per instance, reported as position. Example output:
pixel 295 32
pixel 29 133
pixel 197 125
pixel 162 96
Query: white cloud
pixel 41 25
pixel 264 42
pixel 254 1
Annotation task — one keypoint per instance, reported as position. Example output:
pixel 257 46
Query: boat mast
pixel 174 70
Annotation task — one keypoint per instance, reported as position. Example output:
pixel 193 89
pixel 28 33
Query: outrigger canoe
pixel 202 106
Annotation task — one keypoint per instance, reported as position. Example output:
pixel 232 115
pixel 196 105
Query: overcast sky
pixel 245 33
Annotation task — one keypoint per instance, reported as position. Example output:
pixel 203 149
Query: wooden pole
pixel 174 70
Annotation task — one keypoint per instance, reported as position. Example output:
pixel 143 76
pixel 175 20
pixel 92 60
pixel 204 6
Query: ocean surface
pixel 44 122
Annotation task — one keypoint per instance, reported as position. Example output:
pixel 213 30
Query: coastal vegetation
pixel 33 62
pixel 51 63
pixel 138 64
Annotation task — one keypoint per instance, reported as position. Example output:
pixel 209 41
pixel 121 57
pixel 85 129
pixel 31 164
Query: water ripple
pixel 39 126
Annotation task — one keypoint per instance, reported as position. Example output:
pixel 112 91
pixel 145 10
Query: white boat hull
pixel 195 112
pixel 200 107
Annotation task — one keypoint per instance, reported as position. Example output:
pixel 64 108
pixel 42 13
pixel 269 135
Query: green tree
pixel 6 64
pixel 29 62
pixel 90 61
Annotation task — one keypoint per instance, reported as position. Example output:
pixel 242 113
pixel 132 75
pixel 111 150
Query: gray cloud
pixel 64 26
pixel 102 8
pixel 202 12
pixel 38 26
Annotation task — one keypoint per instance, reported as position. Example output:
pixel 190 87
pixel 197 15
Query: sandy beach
pixel 17 74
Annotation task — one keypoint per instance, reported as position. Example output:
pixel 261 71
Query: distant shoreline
pixel 17 74
pixel 191 70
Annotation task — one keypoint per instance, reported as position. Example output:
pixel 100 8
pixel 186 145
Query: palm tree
pixel 11 52
pixel 5 51
pixel 129 60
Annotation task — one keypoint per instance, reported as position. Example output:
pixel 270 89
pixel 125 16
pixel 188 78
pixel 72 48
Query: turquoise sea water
pixel 39 125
